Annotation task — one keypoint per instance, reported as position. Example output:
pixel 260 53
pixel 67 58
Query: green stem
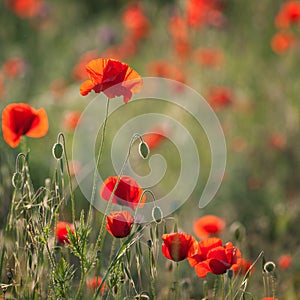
pixel 89 218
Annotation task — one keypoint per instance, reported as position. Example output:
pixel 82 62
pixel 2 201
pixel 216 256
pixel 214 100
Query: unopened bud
pixel 230 273
pixel 58 151
pixel 269 267
pixel 144 150
pixel 157 214
pixel 17 180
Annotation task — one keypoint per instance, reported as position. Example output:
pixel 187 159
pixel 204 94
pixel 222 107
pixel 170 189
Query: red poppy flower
pixel 71 120
pixel 209 57
pixel 277 141
pixel 285 261
pixel 136 22
pixel 111 77
pixel 269 298
pixel 62 233
pixel 25 8
pixel 214 258
pixel 178 246
pixel 156 135
pixel 289 13
pixel 219 97
pixel 127 193
pixel 14 67
pixel 242 266
pixel 119 223
pixel 94 282
pixel 21 119
pixel 208 225
pixel 282 42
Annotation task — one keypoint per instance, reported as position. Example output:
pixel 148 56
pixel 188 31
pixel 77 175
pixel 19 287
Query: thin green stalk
pixel 89 218
pixel 223 286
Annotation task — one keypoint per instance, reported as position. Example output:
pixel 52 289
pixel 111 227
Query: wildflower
pixel 71 120
pixel 282 42
pixel 208 57
pixel 156 136
pixel 178 246
pixel 212 257
pixel 119 223
pixel 289 13
pixel 208 225
pixel 136 22
pixel 242 266
pixel 21 119
pixel 94 282
pixel 277 141
pixel 62 233
pixel 127 193
pixel 14 67
pixel 269 298
pixel 285 261
pixel 111 77
pixel 79 72
pixel 220 97
pixel 25 8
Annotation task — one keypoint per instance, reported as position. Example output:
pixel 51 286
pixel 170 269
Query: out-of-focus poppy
pixel 79 72
pixel 156 135
pixel 219 97
pixel 136 22
pixel 25 8
pixel 285 261
pixel 14 67
pixel 208 57
pixel 125 49
pixel 164 69
pixel 208 225
pixel 289 13
pixel 204 12
pixel 71 120
pixel 242 266
pixel 111 77
pixel 62 233
pixel 269 298
pixel 127 193
pixel 94 282
pixel 21 119
pixel 178 246
pixel 278 141
pixel 283 41
pixel 119 223
pixel 214 258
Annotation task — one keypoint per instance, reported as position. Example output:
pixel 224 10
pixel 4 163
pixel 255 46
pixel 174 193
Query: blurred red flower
pixel 285 261
pixel 136 22
pixel 208 57
pixel 111 77
pixel 208 225
pixel 155 136
pixel 164 69
pixel 282 41
pixel 212 257
pixel 94 282
pixel 219 97
pixel 21 119
pixel 71 120
pixel 178 246
pixel 119 223
pixel 62 233
pixel 277 141
pixel 127 193
pixel 14 67
pixel 269 298
pixel 289 13
pixel 200 13
pixel 25 8
pixel 242 266
pixel 79 72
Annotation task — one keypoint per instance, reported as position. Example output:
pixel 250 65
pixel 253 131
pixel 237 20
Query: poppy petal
pixel 86 87
pixel 40 125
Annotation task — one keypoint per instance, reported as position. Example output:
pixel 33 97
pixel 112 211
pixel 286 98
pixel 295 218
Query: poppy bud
pixel 144 150
pixel 269 267
pixel 17 180
pixel 58 151
pixel 230 273
pixel 157 214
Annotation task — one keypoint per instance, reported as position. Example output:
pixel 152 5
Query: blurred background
pixel 241 56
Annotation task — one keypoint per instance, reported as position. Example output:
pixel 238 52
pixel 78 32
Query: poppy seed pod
pixel 157 214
